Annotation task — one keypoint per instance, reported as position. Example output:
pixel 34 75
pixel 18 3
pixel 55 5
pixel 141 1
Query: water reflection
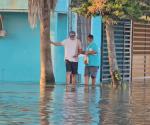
pixel 19 104
pixel 75 105
pixel 69 105
pixel 71 88
pixel 115 108
pixel 45 97
pixel 140 102
pixel 125 105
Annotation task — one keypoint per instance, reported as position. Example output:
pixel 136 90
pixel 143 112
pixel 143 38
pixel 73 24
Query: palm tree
pixel 111 12
pixel 42 9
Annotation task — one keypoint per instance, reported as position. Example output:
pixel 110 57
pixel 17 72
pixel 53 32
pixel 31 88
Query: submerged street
pixel 27 104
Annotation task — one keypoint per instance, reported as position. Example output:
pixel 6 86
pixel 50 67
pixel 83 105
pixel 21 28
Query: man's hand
pixel 75 56
pixel 90 52
pixel 51 42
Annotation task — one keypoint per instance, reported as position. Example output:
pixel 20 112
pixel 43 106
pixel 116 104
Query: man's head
pixel 72 35
pixel 90 38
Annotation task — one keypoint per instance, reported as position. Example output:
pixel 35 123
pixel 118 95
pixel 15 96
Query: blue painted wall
pixel 62 6
pixel 96 30
pixel 19 51
pixel 58 52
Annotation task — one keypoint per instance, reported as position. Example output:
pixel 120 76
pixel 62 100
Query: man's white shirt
pixel 71 48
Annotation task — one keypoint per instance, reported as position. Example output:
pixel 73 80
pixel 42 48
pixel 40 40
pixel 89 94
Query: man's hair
pixel 72 33
pixel 91 36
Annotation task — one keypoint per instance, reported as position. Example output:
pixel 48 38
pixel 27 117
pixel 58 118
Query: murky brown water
pixel 27 104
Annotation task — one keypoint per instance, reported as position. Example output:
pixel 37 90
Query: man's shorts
pixel 71 67
pixel 91 71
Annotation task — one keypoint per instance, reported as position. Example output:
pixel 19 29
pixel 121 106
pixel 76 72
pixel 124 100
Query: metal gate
pixel 122 32
pixel 141 51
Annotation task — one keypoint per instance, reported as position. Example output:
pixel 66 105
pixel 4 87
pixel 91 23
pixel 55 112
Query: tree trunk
pixel 47 76
pixel 111 51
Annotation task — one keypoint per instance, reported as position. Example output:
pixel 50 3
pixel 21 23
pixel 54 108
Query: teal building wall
pixel 58 52
pixel 96 30
pixel 20 49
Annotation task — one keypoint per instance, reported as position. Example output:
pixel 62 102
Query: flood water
pixel 30 104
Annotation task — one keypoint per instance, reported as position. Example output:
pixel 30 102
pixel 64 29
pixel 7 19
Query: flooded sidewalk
pixel 28 104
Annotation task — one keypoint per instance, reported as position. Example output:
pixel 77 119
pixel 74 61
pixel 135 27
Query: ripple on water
pixel 27 104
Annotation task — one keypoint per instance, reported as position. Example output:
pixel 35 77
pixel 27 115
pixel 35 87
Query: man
pixel 72 47
pixel 92 61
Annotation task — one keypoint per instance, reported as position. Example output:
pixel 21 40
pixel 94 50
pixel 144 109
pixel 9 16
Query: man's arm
pixel 56 43
pixel 92 52
pixel 82 52
pixel 79 47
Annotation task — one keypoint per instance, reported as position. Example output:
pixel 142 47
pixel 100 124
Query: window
pixel 2 31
